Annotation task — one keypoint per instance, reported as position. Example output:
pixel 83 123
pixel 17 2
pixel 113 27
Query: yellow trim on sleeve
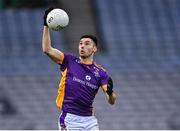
pixel 104 87
pixel 61 90
pixel 61 58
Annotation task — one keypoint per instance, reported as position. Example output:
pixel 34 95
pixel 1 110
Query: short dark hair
pixel 92 37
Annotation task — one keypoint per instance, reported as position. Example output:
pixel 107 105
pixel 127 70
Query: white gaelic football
pixel 57 19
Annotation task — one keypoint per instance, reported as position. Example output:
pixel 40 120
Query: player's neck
pixel 88 60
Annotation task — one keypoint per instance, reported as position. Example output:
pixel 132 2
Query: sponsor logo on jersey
pixel 86 83
pixel 88 78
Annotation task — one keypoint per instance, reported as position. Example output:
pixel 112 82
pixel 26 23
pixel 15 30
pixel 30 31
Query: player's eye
pixel 87 43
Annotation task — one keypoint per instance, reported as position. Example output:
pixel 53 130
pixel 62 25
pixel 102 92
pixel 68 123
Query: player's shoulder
pixel 100 67
pixel 70 56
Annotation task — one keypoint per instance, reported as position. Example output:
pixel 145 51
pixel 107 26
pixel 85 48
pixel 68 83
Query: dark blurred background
pixel 139 46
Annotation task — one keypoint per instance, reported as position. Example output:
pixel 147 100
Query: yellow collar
pixel 87 62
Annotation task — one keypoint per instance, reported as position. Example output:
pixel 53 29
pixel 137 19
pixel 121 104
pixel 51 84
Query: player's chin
pixel 83 56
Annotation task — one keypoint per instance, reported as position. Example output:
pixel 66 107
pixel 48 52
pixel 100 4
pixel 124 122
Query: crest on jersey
pixel 78 61
pixel 96 72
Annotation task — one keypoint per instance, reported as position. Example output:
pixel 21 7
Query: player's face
pixel 86 47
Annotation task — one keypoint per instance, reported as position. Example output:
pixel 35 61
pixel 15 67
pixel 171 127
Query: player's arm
pixel 108 89
pixel 56 55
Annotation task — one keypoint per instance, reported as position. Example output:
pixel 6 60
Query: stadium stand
pixel 28 76
pixel 143 42
pixel 142 38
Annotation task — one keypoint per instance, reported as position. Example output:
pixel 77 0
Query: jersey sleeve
pixel 65 62
pixel 104 79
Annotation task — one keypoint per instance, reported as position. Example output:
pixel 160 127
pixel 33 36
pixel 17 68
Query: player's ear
pixel 94 49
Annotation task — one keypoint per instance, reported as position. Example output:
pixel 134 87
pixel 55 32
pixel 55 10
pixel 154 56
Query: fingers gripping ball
pixel 110 86
pixel 45 15
pixel 57 19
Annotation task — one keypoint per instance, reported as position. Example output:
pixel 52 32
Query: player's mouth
pixel 82 52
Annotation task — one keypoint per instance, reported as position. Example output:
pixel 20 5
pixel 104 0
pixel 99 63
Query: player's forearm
pixel 46 40
pixel 112 98
pixel 56 55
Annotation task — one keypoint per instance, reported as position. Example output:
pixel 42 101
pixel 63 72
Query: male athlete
pixel 81 79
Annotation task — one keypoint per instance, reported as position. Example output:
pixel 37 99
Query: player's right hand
pixel 45 15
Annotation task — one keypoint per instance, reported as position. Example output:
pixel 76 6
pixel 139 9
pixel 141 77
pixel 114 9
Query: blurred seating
pixel 30 78
pixel 143 58
pixel 142 38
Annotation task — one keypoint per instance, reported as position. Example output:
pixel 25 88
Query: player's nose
pixel 82 46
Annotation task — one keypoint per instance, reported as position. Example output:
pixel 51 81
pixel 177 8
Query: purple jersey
pixel 79 85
